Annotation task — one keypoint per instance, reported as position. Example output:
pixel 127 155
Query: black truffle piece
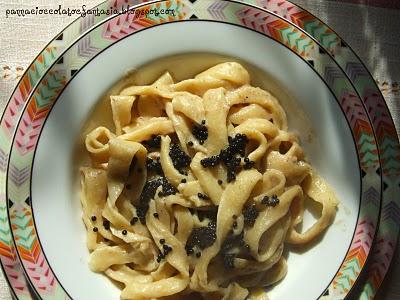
pixel 154 142
pixel 200 132
pixel 250 214
pixel 179 158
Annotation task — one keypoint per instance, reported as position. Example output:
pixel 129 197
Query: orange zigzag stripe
pixel 32 254
pixel 275 28
pixel 36 113
pixel 385 129
pixel 6 250
pixel 25 86
pixel 376 278
pixel 300 18
pixel 357 253
pixel 145 22
pixel 361 126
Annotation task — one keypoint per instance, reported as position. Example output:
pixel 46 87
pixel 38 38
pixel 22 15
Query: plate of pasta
pixel 201 169
pixel 219 184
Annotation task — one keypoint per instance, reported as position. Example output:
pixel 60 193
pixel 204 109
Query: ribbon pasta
pixel 197 189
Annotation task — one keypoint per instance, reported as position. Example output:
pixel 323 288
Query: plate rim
pixel 268 37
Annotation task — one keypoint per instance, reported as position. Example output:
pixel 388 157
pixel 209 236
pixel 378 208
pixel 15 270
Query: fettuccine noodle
pixel 197 189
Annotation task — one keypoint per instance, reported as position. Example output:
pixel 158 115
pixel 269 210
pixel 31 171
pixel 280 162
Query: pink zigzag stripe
pixel 373 102
pixel 120 27
pixel 364 235
pixel 27 133
pixel 41 273
pixel 352 108
pixel 251 17
pixel 279 7
pixel 12 113
pixel 14 273
pixel 384 247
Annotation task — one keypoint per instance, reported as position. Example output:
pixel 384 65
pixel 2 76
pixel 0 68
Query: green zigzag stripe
pixel 368 160
pixel 303 44
pixel 5 235
pixel 389 143
pixel 21 220
pixel 343 282
pixel 48 58
pixel 320 32
pixel 366 142
pixel 367 292
pixel 296 39
pixel 389 150
pixel 4 230
pixel 351 267
pixel 328 40
pixel 392 164
pixel 286 34
pixel 25 238
pixel 314 27
pixel 366 146
pixel 23 232
pixel 164 6
pixel 49 90
pixel 349 272
pixel 40 68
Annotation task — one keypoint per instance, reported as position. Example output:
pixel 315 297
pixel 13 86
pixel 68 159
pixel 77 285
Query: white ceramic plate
pixel 332 151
